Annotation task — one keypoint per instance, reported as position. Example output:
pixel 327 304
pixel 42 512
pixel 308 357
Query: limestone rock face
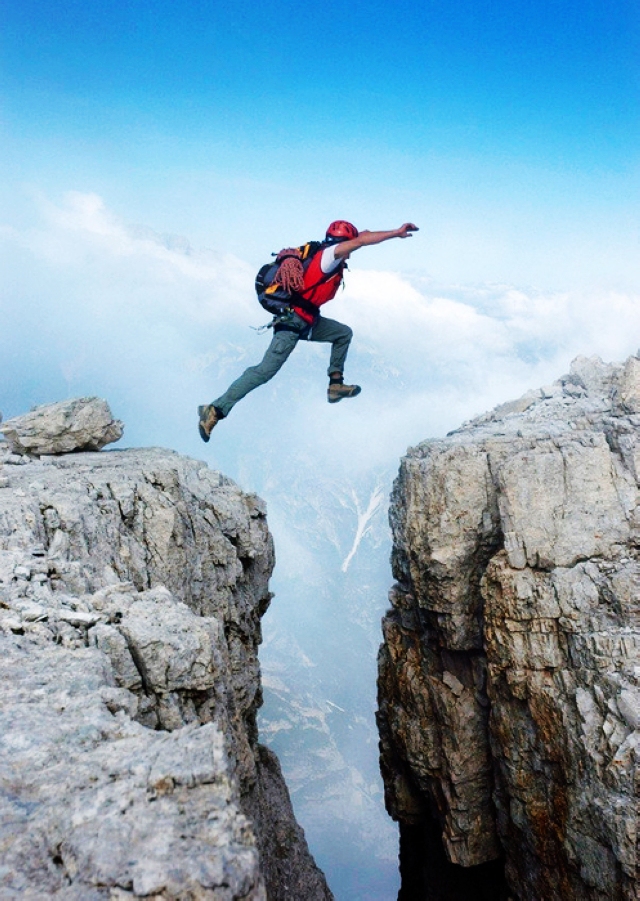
pixel 82 424
pixel 131 589
pixel 509 677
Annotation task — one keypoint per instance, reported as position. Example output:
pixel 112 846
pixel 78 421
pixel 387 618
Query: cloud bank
pixel 96 305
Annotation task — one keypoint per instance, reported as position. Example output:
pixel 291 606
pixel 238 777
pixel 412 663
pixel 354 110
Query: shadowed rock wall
pixel 509 678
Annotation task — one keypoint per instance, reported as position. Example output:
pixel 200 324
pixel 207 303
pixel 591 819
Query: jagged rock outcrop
pixel 509 677
pixel 131 589
pixel 80 424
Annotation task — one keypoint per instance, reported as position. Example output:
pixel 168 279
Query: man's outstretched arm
pixel 366 238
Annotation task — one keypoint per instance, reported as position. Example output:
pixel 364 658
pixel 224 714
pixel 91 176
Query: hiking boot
pixel 209 417
pixel 338 390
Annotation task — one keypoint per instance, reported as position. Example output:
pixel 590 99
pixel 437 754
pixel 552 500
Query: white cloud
pixel 118 267
pixel 96 305
pixel 487 326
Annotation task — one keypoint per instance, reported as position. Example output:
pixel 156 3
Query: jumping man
pixel 319 284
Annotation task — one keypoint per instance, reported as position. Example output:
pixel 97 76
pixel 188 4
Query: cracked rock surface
pixel 509 677
pixel 131 589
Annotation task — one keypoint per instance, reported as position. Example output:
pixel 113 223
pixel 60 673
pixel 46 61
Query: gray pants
pixel 282 344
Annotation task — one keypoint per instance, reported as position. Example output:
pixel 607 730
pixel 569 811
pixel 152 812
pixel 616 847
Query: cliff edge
pixel 131 589
pixel 509 677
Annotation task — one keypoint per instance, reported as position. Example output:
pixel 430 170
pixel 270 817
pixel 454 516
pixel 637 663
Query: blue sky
pixel 508 130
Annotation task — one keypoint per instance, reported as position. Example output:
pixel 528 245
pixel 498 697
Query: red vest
pixel 319 287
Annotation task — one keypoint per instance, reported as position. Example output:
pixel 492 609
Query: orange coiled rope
pixel 290 274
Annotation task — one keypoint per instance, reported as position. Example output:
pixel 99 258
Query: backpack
pixel 273 297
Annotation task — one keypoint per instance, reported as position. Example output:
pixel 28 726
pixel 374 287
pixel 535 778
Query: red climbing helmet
pixel 341 230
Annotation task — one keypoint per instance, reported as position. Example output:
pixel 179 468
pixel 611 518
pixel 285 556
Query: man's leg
pixel 339 335
pixel 276 355
pixel 336 333
pixel 282 344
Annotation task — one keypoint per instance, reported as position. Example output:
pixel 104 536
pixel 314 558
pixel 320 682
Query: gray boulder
pixel 80 424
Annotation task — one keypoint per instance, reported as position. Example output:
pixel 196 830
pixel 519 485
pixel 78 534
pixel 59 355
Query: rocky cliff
pixel 509 676
pixel 131 589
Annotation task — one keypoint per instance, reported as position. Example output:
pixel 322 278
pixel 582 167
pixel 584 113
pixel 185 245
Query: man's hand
pixel 405 230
